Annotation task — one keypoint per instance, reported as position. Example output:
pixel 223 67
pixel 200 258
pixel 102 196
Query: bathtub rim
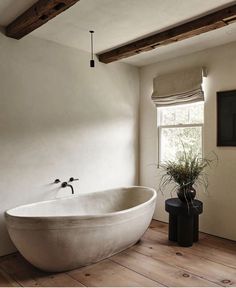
pixel 85 217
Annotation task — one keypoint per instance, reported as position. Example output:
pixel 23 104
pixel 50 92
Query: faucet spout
pixel 72 188
pixel 65 184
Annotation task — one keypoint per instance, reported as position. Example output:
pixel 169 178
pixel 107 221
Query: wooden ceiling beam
pixel 189 29
pixel 37 15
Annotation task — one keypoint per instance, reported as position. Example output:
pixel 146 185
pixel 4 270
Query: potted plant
pixel 186 173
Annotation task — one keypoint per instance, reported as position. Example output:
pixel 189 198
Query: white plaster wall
pixel 219 205
pixel 60 118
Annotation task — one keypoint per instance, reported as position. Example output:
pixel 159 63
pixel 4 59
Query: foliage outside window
pixel 180 128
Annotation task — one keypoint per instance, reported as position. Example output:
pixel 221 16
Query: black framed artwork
pixel 226 118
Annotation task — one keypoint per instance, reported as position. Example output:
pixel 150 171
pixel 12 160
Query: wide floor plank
pixel 183 258
pixel 210 247
pixel 109 274
pixel 159 271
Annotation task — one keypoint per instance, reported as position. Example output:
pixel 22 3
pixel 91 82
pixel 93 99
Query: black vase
pixel 186 194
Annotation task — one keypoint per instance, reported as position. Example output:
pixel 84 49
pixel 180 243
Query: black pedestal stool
pixel 183 220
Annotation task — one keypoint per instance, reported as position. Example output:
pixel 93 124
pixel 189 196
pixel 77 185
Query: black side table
pixel 183 220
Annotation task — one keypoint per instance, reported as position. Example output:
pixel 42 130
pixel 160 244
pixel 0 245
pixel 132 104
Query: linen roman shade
pixel 180 87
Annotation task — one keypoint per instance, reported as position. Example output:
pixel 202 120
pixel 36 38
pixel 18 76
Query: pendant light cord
pixel 91 43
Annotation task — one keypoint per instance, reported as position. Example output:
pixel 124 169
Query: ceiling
pixel 118 22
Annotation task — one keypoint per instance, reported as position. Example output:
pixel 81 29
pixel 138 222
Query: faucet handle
pixel 73 179
pixel 57 181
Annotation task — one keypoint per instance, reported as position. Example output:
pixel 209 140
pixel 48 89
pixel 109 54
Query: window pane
pixel 167 116
pixel 196 113
pixel 182 114
pixel 175 140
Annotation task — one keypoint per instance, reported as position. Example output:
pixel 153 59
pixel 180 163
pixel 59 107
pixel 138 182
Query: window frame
pixel 160 127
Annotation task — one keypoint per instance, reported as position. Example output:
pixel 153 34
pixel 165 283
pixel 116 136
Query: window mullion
pixel 181 125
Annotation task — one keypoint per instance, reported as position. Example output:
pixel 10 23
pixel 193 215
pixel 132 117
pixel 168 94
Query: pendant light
pixel 92 62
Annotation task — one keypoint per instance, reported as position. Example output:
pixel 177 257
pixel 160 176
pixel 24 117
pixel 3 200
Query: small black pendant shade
pixel 92 62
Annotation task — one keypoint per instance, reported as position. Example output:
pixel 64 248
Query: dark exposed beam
pixel 190 29
pixel 37 15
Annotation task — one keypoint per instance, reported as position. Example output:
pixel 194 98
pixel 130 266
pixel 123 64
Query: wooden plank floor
pixel 153 262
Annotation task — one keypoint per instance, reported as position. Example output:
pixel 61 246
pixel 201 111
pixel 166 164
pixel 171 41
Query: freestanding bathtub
pixel 67 233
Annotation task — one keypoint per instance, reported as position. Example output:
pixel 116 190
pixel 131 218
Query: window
pixel 180 127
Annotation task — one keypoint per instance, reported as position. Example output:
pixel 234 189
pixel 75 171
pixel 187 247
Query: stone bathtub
pixel 67 233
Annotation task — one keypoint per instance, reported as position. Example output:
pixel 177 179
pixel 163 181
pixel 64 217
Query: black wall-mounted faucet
pixel 65 184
